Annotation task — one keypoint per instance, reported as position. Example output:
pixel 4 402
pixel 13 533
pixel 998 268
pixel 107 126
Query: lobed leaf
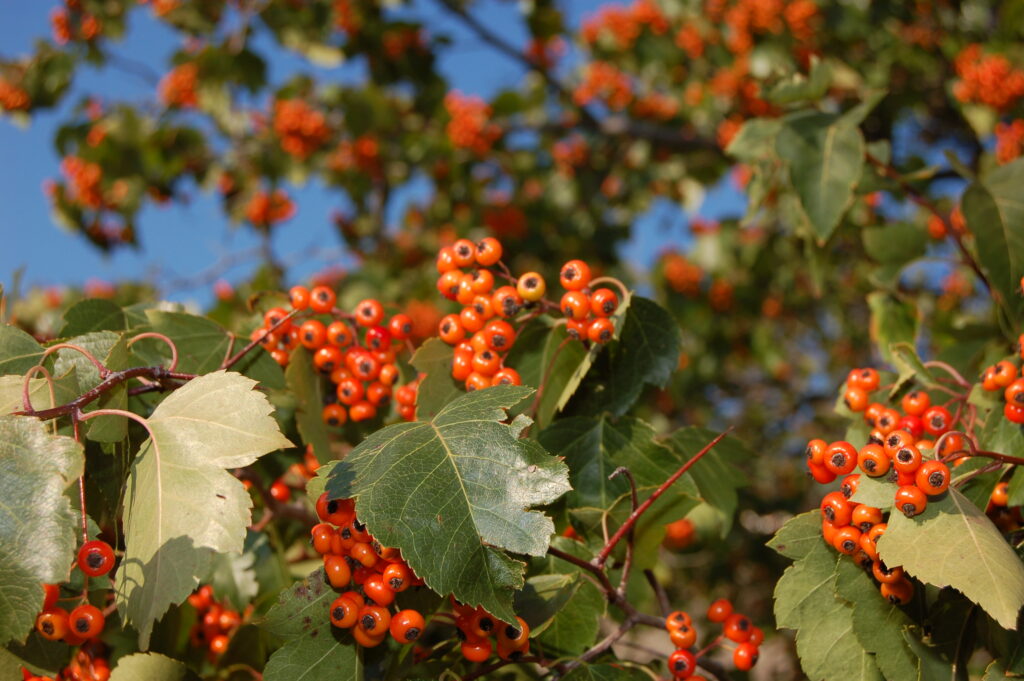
pixel 37 524
pixel 181 504
pixel 453 491
pixel 953 543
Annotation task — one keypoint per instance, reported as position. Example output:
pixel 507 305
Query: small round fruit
pixel 406 626
pixel 719 610
pixel 682 664
pixel 322 299
pixel 531 287
pixel 910 500
pixel 932 477
pixel 745 656
pixel 737 628
pixel 52 624
pixel 86 621
pixel 95 558
pixel 344 612
pixel 603 302
pixel 575 275
pixel 488 252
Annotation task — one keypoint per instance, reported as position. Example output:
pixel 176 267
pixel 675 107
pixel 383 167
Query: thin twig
pixel 627 563
pixel 659 592
pixel 602 557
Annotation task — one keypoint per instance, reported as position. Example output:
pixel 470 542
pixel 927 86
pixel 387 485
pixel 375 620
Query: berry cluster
pixel 623 24
pixel 362 371
pixel 84 178
pixel 368 575
pixel 476 627
pixel 603 80
pixel 736 627
pixel 987 79
pixel 72 23
pixel 479 361
pixel 89 664
pixel 12 97
pixel 266 209
pixel 86 621
pixel 1004 377
pixel 217 622
pixel 302 128
pixel 470 126
pixel 177 89
pixel 1009 140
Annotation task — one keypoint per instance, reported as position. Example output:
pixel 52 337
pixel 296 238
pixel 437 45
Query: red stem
pixel 624 529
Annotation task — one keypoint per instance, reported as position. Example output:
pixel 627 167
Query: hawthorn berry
pixel 840 457
pixel 86 621
pixel 910 500
pixel 52 623
pixel 406 626
pixel 464 252
pixel 299 297
pixel 873 460
pixel 95 558
pixel 531 287
pixel 937 420
pixel 745 656
pixel 322 299
pixel 488 251
pixel 477 651
pixel 575 275
pixel 915 402
pixel 932 477
pixel 603 302
pixel 600 330
pixel 682 664
pixel 737 628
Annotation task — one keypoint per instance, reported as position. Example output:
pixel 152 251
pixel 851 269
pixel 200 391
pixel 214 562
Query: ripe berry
pixel 887 420
pixel 374 620
pixel 885 574
pixel 275 316
pixel 321 536
pixel 488 251
pixel 577 329
pixel 321 299
pixel 815 451
pixel 378 590
pixel 840 457
pixel 737 628
pixel 464 252
pixel 298 296
pixel 865 517
pixel 514 636
pixel 683 637
pixel 745 656
pixel 51 592
pixel 603 302
pixel 450 329
pixel 531 287
pixel 499 335
pixel 486 362
pixel 338 571
pixel 719 610
pixel 933 477
pixel 847 540
pixel 400 326
pixel 911 424
pixel 339 334
pixel 873 460
pixel 575 305
pixel 677 619
pixel 398 576
pixel 1004 373
pixel 406 626
pixel 575 275
pixel 448 284
pixel 95 558
pixel 327 358
pixel 86 621
pixel 600 330
pixel 836 509
pixel 866 379
pixel 219 644
pixel 855 399
pixel 848 486
pixel 52 624
pixel 896 440
pixel 1013 412
pixel 915 402
pixel 312 334
pixel 907 459
pixel 366 640
pixel 506 302
pixel 682 664
pixel 445 260
pixel 898 593
pixel 477 651
pixel 369 312
pixel 937 420
pixel 506 376
pixel 476 381
pixel 910 500
pixel 481 281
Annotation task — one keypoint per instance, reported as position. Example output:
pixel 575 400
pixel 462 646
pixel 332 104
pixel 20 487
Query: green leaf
pixel 995 215
pixel 892 321
pixel 452 491
pixel 19 351
pixel 895 243
pixel 576 622
pixel 304 383
pixel 605 672
pixel 65 389
pixel 953 543
pixel 910 366
pixel 799 536
pixel 37 655
pixel 594 447
pixel 181 504
pixel 825 156
pixel 755 140
pixel 875 492
pixel 93 314
pixel 805 600
pixel 151 667
pixel 232 575
pixel 437 388
pixel 313 649
pixel 37 524
pixel 647 352
pixel 801 88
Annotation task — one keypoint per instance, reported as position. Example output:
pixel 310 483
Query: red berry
pixel 95 558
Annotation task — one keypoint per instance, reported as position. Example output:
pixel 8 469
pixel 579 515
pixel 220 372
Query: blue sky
pixel 183 240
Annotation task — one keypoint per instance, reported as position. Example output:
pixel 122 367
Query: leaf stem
pixel 627 563
pixel 602 557
pixel 104 371
pixel 159 336
pixel 234 359
pixel 960 380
